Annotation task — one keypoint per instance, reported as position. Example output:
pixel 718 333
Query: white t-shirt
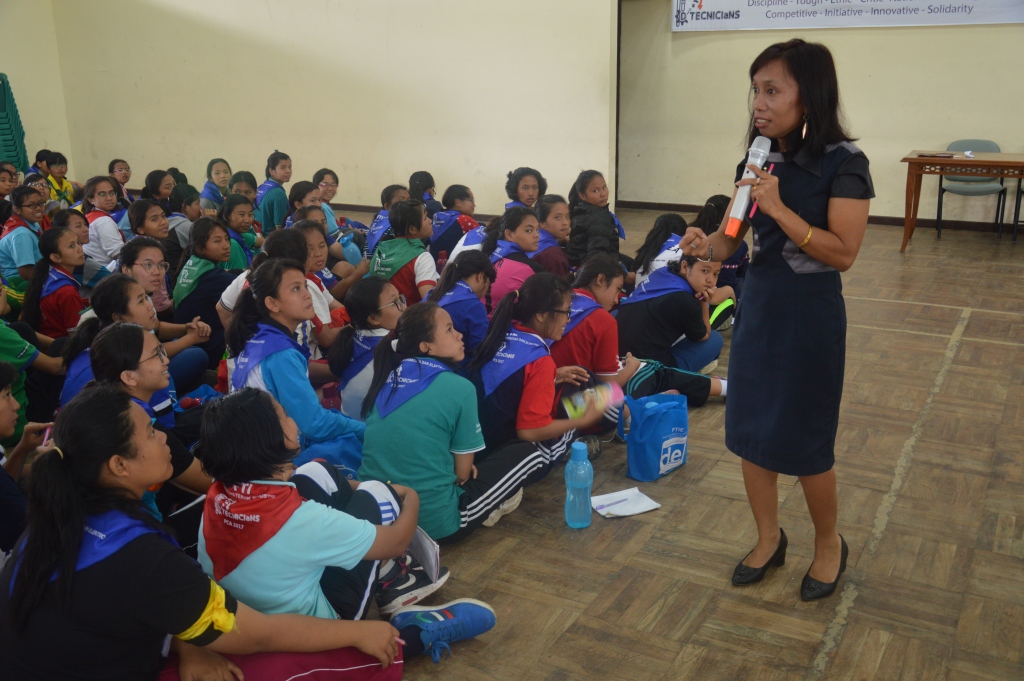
pixel 660 260
pixel 355 391
pixel 304 333
pixel 461 246
pixel 105 240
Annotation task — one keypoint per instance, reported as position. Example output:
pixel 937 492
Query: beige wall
pixel 30 62
pixel 374 90
pixel 683 107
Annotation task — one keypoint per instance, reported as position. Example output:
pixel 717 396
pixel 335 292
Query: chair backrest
pixel 985 146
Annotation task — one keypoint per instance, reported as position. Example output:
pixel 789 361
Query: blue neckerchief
pixel 427 197
pixel 362 354
pixel 618 226
pixel 660 283
pixel 327 278
pixel 212 193
pixel 475 237
pixel 671 242
pixel 264 189
pixel 505 249
pixel 546 242
pixel 267 341
pixel 413 376
pixel 237 238
pixel 289 220
pixel 56 280
pixel 118 213
pixel 160 397
pixel 460 292
pixel 103 536
pixel 379 225
pixel 519 349
pixel 579 309
pixel 515 204
pixel 443 219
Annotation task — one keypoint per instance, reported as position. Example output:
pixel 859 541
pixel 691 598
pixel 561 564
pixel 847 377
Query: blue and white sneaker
pixel 442 625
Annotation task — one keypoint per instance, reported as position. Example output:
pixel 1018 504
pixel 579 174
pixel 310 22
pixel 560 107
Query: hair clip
pixel 59 452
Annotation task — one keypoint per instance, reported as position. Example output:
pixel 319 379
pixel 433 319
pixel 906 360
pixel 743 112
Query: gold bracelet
pixel 806 239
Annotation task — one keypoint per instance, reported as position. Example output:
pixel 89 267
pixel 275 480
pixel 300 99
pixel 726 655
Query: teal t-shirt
pixel 273 209
pixel 416 446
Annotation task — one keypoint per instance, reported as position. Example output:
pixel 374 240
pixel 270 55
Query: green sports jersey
pixel 17 351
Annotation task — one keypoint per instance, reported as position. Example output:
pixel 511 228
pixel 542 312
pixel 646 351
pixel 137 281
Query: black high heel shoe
pixel 811 589
pixel 744 575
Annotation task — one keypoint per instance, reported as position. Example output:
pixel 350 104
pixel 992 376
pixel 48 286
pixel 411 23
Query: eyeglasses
pixel 160 352
pixel 567 313
pixel 398 302
pixel 149 265
pixel 37 204
pixel 38 185
pixel 60 165
pixel 106 195
pixel 329 185
pixel 122 170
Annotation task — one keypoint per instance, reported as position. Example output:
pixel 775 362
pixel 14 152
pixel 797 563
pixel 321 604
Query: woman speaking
pixel 789 339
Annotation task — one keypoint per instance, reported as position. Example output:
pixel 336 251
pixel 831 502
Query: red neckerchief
pixel 13 223
pixel 316 280
pixel 96 214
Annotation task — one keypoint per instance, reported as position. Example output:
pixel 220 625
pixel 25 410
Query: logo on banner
pixel 693 10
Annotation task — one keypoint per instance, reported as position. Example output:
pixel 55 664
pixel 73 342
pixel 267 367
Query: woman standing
pixel 789 340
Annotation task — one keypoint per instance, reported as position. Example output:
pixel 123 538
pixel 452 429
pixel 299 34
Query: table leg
pixel 913 200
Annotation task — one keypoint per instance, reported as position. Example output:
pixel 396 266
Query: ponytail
pixel 595 266
pixel 274 159
pixel 415 326
pixel 580 187
pixel 49 244
pixel 665 226
pixel 465 265
pixel 361 302
pixel 109 298
pixel 710 216
pixel 251 308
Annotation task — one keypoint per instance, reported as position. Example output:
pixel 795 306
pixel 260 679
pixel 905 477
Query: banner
pixel 750 15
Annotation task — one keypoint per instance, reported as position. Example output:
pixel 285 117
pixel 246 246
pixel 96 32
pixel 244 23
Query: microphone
pixel 756 156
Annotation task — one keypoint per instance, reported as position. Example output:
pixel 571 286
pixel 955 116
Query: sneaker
pixel 507 506
pixel 593 443
pixel 405 584
pixel 709 368
pixel 442 625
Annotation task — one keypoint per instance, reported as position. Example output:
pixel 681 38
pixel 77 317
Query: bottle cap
pixel 579 451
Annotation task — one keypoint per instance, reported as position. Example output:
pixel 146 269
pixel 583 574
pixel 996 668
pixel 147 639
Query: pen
pixel 753 208
pixel 604 506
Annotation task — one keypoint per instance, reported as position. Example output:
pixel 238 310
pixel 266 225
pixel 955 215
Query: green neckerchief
pixel 394 254
pixel 189 278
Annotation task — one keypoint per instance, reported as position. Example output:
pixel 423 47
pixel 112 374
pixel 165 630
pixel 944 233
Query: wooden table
pixel 982 165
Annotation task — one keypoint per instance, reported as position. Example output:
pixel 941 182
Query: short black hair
pixel 405 215
pixel 242 439
pixel 56 158
pixel 7 375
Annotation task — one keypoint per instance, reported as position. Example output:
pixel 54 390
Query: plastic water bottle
pixel 579 478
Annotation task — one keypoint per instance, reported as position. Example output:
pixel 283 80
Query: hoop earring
pixel 803 133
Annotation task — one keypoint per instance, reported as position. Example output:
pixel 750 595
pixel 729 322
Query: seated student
pixel 452 223
pixel 201 281
pixel 61 190
pixel 327 180
pixel 421 186
pixel 186 208
pixel 404 260
pixel 19 351
pixel 464 282
pixel 666 318
pixel 106 455
pixel 324 303
pixel 122 173
pixel 19 243
pixel 236 213
pixel 591 342
pixel 381 224
pixel 515 376
pixel 89 274
pixel 509 248
pixel 350 526
pixel 374 307
pixel 660 247
pixel 158 187
pixel 595 229
pixel 271 201
pixel 13 506
pixel 146 218
pixel 39 167
pixel 53 305
pixel 243 182
pixel 524 188
pixel 553 215
pixel 339 278
pixel 143 259
pixel 301 194
pixel 105 238
pixel 218 174
pixel 417 396
pixel 261 338
pixel 8 181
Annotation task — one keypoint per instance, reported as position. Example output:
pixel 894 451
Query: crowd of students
pixel 313 389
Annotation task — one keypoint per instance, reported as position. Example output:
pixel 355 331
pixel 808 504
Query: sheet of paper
pixel 627 502
pixel 427 552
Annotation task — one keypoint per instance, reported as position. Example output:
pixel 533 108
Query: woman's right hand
pixel 378 639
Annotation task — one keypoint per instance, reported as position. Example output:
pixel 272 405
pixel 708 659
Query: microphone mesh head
pixel 762 143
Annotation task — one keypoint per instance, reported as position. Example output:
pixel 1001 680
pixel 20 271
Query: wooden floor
pixel 930 463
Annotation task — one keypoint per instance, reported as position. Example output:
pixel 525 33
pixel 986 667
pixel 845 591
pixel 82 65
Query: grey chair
pixel 966 185
pixel 1016 208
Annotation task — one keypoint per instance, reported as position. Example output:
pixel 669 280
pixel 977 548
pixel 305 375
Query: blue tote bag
pixel 656 444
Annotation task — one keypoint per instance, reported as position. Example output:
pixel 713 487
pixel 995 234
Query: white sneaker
pixel 709 368
pixel 507 506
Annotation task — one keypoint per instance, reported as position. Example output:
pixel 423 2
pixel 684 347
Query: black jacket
pixel 593 231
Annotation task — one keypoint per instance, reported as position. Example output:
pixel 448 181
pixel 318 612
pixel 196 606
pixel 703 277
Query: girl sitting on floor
pixel 555 224
pixel 19 243
pixel 404 260
pixel 327 180
pixel 509 247
pixel 454 221
pixel 53 304
pixel 261 338
pixel 202 280
pixel 381 224
pixel 243 182
pixel 515 377
pixel 122 173
pixel 417 397
pixel 660 247
pixel 374 307
pixel 595 229
pixel 186 208
pixel 301 194
pixel 89 274
pixel 330 314
pixel 337 278
pixel 421 186
pixel 92 552
pixel 105 238
pixel 464 282
pixel 271 200
pixel 236 212
pixel 218 175
pixel 524 188
pixel 666 319
pixel 158 187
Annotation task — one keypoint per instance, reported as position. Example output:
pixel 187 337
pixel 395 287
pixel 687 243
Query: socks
pixel 725 385
pixel 413 643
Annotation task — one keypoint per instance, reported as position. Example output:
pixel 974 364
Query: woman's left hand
pixel 572 374
pixel 764 189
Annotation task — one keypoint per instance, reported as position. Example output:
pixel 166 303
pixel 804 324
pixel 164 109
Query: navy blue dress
pixel 788 350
